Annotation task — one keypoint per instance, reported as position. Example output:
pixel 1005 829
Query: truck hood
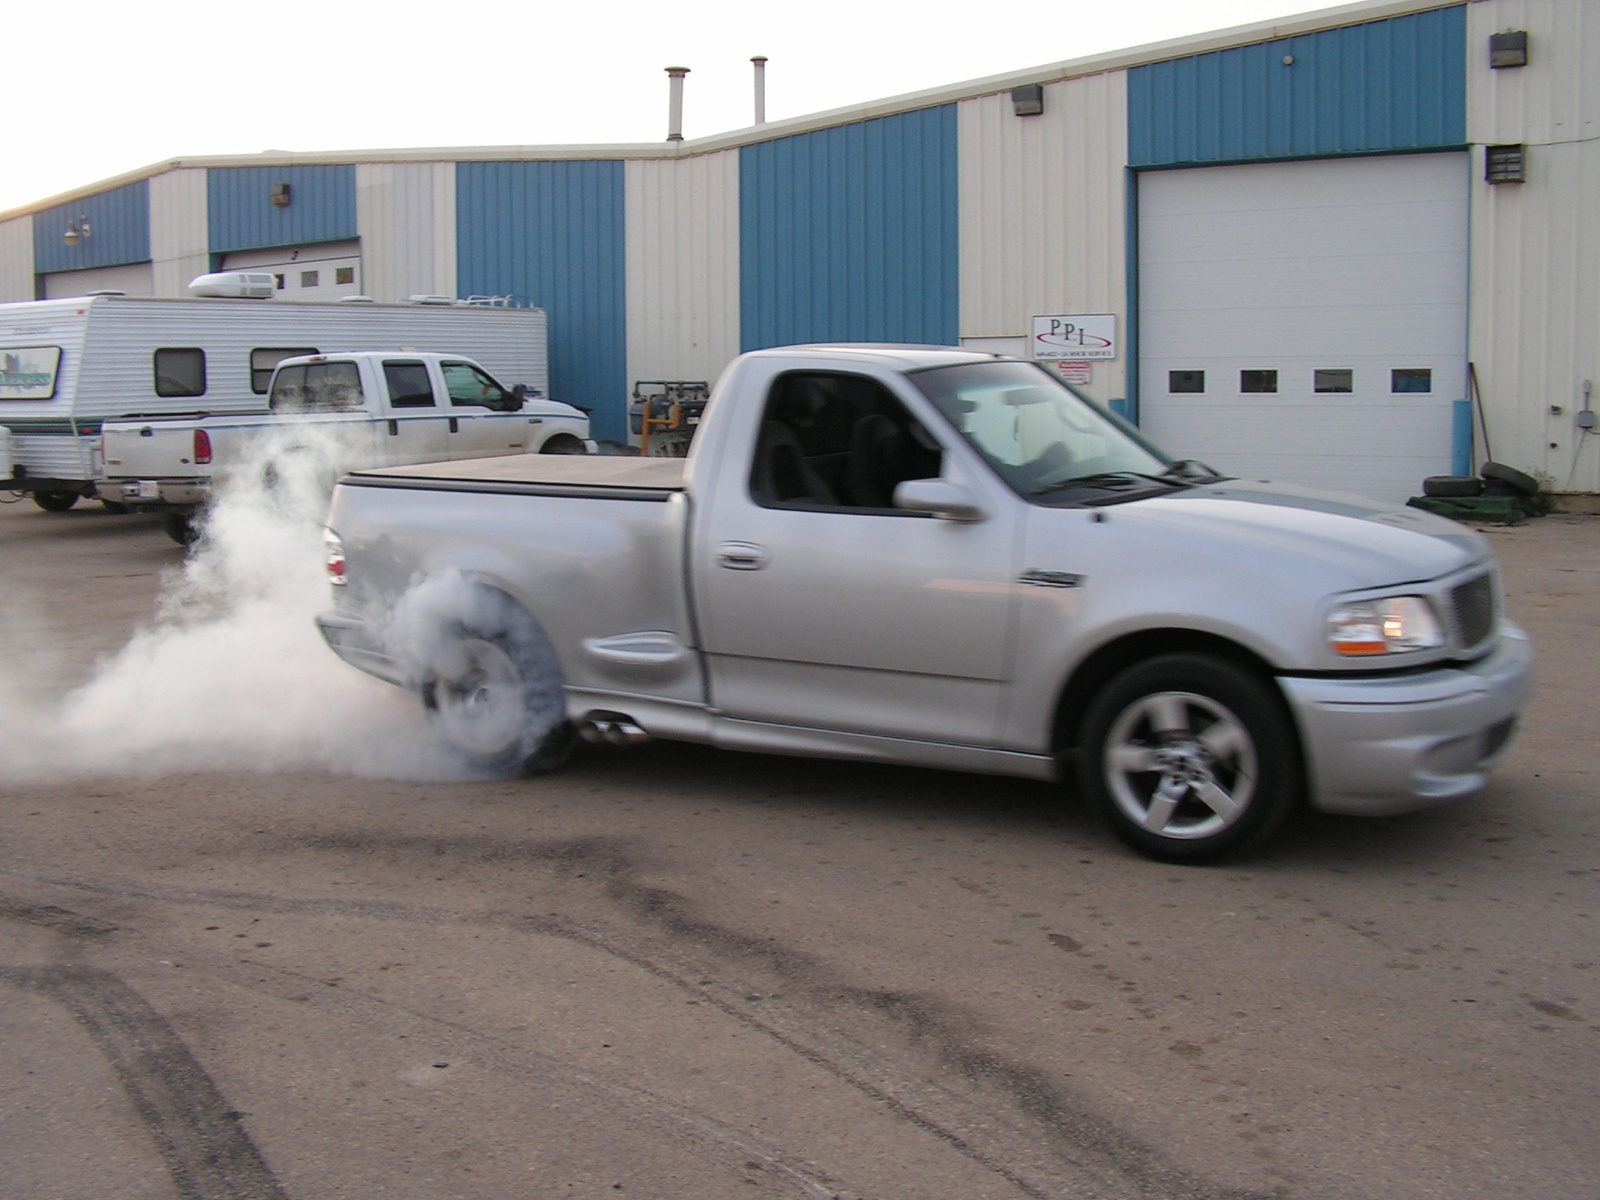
pixel 1368 543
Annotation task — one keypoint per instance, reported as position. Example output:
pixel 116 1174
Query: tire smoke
pixel 232 673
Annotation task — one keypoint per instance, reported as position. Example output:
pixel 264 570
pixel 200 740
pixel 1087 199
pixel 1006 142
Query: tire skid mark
pixel 1067 1147
pixel 199 1137
pixel 50 917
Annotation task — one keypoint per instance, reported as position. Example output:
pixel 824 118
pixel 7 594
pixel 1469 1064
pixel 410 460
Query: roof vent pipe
pixel 760 64
pixel 675 103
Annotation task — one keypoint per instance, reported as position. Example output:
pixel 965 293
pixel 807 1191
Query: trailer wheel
pixel 491 684
pixel 55 501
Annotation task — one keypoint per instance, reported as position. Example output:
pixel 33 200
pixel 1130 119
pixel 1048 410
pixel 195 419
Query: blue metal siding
pixel 552 234
pixel 851 234
pixel 241 215
pixel 119 231
pixel 1392 85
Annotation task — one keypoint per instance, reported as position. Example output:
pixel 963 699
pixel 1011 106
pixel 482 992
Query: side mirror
pixel 945 500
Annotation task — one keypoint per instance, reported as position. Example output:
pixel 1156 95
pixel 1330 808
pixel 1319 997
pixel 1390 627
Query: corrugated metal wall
pixel 851 233
pixel 1535 311
pixel 683 266
pixel 407 216
pixel 241 215
pixel 178 236
pixel 16 259
pixel 552 233
pixel 119 222
pixel 1381 86
pixel 1043 212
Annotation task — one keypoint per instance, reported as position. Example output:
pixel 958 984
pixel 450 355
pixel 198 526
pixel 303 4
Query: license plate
pixel 147 489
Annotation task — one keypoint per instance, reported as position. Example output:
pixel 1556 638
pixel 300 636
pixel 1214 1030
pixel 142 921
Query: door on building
pixel 1306 321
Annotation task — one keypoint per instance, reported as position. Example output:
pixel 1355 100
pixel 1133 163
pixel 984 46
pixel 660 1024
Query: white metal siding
pixel 406 214
pixel 1043 213
pixel 1345 263
pixel 1535 322
pixel 134 279
pixel 682 222
pixel 16 259
pixel 179 241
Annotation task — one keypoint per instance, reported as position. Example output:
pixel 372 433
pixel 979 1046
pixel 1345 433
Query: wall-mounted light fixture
pixel 1508 49
pixel 1028 100
pixel 75 230
pixel 279 195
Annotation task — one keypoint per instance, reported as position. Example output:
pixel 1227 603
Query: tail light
pixel 334 557
pixel 202 447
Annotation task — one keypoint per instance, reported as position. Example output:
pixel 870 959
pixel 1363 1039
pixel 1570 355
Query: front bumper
pixel 1392 744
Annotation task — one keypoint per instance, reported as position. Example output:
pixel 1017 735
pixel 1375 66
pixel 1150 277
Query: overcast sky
pixel 94 89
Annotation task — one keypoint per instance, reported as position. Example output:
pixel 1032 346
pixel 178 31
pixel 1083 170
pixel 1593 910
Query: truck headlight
pixel 1392 625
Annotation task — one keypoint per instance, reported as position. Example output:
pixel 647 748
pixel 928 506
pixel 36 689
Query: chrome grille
pixel 1473 602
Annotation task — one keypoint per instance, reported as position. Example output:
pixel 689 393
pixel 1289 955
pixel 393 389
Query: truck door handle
pixel 453 426
pixel 741 556
pixel 394 428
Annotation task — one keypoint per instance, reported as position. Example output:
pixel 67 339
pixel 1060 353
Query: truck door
pixel 413 428
pixel 484 417
pixel 822 605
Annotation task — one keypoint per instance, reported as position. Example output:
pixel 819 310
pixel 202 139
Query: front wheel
pixel 1190 758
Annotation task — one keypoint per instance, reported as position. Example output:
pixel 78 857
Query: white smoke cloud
pixel 232 674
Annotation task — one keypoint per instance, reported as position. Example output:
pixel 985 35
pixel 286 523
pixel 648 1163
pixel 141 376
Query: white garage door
pixel 326 272
pixel 1306 321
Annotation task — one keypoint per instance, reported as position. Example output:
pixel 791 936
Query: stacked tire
pixel 1493 479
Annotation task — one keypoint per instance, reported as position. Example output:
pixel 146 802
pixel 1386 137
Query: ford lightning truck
pixel 949 559
pixel 362 409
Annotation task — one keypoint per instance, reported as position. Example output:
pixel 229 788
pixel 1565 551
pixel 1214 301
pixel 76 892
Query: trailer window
pixel 468 386
pixel 29 372
pixel 180 372
pixel 409 386
pixel 263 361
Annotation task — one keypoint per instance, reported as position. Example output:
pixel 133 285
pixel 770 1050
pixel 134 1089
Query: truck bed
pixel 536 474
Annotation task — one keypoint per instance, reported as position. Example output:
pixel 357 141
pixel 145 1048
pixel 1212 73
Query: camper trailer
pixel 68 365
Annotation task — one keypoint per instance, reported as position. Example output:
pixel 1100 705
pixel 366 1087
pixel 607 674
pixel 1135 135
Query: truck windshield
pixel 1040 436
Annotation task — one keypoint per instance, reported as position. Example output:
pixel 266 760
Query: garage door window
pixel 1337 380
pixel 1403 380
pixel 1186 381
pixel 180 372
pixel 1258 382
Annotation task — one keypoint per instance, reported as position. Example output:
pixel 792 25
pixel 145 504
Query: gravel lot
pixel 249 965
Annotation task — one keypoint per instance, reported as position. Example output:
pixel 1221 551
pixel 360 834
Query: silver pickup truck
pixel 949 559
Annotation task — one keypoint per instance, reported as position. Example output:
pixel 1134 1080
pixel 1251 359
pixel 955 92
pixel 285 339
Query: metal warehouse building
pixel 1350 249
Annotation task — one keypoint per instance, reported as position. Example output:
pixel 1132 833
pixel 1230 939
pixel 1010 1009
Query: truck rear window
pixel 317 387
pixel 264 359
pixel 409 385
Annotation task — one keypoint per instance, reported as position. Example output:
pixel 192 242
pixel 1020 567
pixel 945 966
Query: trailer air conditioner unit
pixel 236 285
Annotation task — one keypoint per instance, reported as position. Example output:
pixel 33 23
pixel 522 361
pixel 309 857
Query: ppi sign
pixel 1081 337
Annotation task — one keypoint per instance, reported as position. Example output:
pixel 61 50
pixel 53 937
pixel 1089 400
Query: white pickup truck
pixel 948 559
pixel 367 409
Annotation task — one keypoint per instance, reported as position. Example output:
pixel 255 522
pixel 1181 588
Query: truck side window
pixel 470 387
pixel 409 385
pixel 835 441
pixel 263 360
pixel 180 372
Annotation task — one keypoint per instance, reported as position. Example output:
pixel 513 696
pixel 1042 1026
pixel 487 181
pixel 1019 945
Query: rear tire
pixel 1190 758
pixel 180 528
pixel 493 690
pixel 55 501
pixel 115 507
